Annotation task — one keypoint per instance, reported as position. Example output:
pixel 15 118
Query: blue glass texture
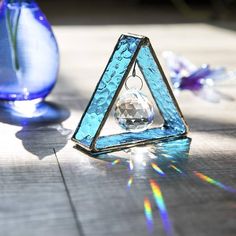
pixel 129 138
pixel 107 88
pixel 166 152
pixel 29 58
pixel 113 77
pixel 159 90
pixel 172 150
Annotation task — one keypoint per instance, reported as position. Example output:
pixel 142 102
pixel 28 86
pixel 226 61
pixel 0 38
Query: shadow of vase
pixel 42 131
pixel 42 141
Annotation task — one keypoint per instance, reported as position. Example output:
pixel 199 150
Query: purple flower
pixel 186 76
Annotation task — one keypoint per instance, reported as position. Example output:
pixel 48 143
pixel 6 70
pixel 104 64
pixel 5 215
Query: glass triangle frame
pixel 129 48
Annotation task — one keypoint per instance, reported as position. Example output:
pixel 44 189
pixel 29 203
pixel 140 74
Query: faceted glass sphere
pixel 133 111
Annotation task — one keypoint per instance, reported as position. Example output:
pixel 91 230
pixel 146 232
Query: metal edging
pixel 125 146
pixel 92 147
pixel 93 144
pixel 90 101
pixel 169 88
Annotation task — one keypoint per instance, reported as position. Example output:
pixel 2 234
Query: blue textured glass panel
pixel 160 91
pixel 125 53
pixel 119 139
pixel 106 89
pixel 165 152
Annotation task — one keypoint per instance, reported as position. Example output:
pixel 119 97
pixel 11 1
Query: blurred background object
pixel 134 11
pixel 25 38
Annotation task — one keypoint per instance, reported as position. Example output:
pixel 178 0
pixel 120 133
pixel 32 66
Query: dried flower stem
pixel 13 29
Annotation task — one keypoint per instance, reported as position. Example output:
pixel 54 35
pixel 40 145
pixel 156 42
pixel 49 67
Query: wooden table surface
pixel 49 188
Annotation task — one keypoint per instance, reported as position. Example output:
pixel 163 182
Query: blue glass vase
pixel 29 57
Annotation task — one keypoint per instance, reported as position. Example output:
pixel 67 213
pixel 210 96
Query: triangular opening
pixel 112 126
pixel 129 49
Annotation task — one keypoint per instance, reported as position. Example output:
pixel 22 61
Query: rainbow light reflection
pixel 161 205
pixel 214 182
pixel 148 214
pixel 131 165
pixel 176 168
pixel 157 169
pixel 117 161
pixel 130 181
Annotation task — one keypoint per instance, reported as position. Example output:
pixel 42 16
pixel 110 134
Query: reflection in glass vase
pixel 29 58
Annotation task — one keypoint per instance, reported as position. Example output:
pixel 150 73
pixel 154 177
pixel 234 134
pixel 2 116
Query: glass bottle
pixel 29 57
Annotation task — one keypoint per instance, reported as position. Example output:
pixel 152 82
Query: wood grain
pixel 69 193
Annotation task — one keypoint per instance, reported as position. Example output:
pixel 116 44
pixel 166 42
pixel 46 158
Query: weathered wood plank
pixel 33 200
pixel 103 204
pixel 106 207
pixel 83 196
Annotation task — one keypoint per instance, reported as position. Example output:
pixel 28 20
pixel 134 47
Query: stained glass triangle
pixel 129 48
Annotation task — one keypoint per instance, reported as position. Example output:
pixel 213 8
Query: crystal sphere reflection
pixel 133 111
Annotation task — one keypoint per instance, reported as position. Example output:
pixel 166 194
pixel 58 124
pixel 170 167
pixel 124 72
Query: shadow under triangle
pixel 129 48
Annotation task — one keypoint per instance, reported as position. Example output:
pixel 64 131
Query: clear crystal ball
pixel 133 111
